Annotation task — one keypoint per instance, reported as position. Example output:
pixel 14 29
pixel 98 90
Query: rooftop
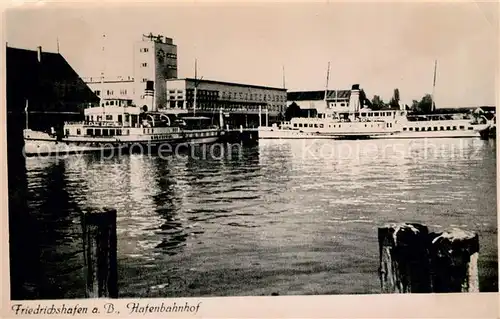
pixel 318 95
pixel 230 83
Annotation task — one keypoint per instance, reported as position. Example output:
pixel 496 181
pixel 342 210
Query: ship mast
pixel 284 85
pixel 433 106
pixel 326 87
pixel 195 86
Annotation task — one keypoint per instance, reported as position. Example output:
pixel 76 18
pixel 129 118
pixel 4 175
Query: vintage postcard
pixel 250 159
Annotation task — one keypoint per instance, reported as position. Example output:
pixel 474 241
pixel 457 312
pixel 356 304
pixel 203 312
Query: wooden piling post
pixel 404 258
pixel 453 256
pixel 99 246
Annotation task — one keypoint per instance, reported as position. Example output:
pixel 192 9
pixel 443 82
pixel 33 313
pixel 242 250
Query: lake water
pixel 286 217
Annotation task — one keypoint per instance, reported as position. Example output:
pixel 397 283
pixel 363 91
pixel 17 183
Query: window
pixel 112 103
pixel 294 124
pixel 310 125
pixel 462 127
pixel 66 132
pixel 144 64
pixel 454 128
pixel 429 129
pixel 98 92
pixel 98 132
pixel 404 128
pixel 441 128
pixel 78 131
pixel 111 132
pixel 109 92
pixel 411 128
pixel 119 118
pixel 90 131
pixel 435 128
pixel 470 128
pixel 342 104
pixel 109 117
pixel 300 124
pixel 105 132
pixel 144 50
pixel 171 55
pixel 321 126
pixel 316 125
pixel 123 91
pixel 448 128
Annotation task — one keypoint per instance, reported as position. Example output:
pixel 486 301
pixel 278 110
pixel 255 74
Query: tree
pixel 394 103
pixel 426 103
pixel 424 106
pixel 377 103
pixel 292 111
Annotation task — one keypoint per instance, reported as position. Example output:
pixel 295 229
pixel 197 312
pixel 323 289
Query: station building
pixel 155 86
pixel 242 102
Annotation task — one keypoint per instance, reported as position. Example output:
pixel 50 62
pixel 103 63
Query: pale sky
pixel 381 46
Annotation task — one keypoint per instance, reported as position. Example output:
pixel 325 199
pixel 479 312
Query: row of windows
pixel 253 96
pixel 341 104
pixel 171 55
pixel 111 92
pixel 435 128
pixel 316 125
pixel 144 50
pixel 98 132
pixel 110 117
pixel 103 132
pixel 375 114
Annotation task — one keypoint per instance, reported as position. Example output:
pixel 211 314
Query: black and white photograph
pixel 249 150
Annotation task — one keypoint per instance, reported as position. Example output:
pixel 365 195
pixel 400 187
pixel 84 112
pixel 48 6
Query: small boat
pixel 117 124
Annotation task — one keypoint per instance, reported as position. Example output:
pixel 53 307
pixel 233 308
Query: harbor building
pixel 341 102
pixel 154 62
pixel 241 102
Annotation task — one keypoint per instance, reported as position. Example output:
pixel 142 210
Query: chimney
pixel 39 53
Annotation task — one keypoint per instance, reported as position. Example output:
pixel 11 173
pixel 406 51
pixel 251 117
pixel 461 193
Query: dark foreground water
pixel 295 217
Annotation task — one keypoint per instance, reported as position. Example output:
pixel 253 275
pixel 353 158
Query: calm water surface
pixel 294 217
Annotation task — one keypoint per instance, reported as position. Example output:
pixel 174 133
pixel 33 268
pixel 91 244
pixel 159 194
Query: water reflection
pixel 295 216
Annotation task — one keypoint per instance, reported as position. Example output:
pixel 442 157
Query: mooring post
pixel 453 256
pixel 99 249
pixel 404 258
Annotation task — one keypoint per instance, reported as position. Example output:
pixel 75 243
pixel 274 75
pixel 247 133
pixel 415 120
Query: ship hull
pixel 46 145
pixel 265 133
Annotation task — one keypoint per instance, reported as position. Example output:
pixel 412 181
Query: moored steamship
pixel 117 124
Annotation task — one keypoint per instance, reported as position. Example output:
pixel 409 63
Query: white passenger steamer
pixel 118 124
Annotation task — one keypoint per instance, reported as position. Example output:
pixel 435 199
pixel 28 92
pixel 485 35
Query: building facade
pixel 234 99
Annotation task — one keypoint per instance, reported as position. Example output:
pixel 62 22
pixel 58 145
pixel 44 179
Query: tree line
pixel 424 106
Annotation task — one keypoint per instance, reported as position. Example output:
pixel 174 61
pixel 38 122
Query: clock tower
pixel 155 59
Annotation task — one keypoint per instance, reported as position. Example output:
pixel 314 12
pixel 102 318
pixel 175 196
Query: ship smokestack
pixel 39 53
